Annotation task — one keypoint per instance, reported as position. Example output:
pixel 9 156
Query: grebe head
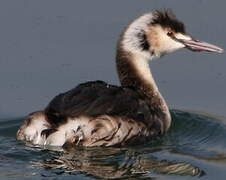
pixel 158 33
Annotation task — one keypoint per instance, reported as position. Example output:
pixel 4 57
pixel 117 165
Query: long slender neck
pixel 133 70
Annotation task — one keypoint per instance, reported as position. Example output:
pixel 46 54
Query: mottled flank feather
pixel 92 114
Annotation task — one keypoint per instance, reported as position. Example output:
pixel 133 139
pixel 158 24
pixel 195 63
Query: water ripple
pixel 195 146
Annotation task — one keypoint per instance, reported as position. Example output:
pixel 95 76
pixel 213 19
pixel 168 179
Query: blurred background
pixel 48 47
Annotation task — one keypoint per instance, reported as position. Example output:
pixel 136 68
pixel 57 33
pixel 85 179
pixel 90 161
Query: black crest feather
pixel 167 19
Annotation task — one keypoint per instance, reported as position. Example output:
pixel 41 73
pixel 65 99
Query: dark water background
pixel 47 47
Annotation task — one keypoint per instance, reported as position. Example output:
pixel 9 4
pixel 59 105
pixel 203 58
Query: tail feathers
pixel 32 127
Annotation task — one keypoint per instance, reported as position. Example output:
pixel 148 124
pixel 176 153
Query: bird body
pixel 106 114
pixel 98 114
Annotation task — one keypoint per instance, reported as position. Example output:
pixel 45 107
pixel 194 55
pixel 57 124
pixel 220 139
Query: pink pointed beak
pixel 196 45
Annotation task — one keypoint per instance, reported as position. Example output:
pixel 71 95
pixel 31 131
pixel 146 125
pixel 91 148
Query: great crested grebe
pixel 98 114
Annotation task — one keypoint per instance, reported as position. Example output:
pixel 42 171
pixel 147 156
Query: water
pixel 48 47
pixel 195 147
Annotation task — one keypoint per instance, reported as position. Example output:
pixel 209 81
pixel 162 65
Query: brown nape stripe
pixel 130 77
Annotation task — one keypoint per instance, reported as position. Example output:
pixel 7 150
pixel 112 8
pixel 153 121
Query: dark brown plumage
pixel 167 19
pixel 93 99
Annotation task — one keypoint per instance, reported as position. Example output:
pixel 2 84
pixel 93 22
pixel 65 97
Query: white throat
pixel 142 66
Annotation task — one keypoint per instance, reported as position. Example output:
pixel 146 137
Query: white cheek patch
pixel 173 45
pixel 165 44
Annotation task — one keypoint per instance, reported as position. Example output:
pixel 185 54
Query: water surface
pixel 195 147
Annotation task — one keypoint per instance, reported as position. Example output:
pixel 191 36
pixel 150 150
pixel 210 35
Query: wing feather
pixel 97 98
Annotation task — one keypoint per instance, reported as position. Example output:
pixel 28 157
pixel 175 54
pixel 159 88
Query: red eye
pixel 170 33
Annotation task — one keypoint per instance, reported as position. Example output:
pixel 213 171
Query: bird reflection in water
pixel 113 163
